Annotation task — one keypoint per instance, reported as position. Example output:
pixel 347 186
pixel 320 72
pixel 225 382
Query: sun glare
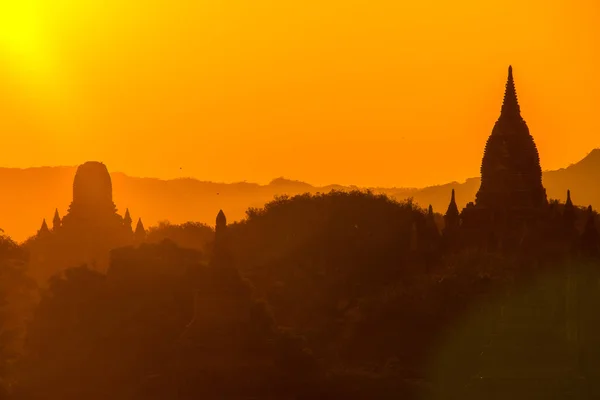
pixel 28 48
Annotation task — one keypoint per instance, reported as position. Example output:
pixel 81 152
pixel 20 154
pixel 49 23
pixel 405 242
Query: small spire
pixel 221 219
pixel 221 253
pixel 510 105
pixel 56 222
pixel 127 218
pixel 221 224
pixel 569 203
pixel 44 228
pixel 140 233
pixel 430 210
pixel 452 216
pixel 569 213
pixel 139 228
pixel 452 207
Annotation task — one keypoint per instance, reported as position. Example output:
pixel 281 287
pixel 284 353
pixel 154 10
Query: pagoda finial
pixel 510 105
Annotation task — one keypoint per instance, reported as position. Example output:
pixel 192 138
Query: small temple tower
pixel 56 222
pixel 452 216
pixel 44 229
pixel 220 226
pixel 431 224
pixel 450 233
pixel 140 232
pixel 127 221
pixel 221 255
pixel 569 216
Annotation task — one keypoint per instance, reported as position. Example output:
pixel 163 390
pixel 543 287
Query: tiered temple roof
pixel 511 175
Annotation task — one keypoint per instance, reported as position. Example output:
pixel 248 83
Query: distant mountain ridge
pixel 31 194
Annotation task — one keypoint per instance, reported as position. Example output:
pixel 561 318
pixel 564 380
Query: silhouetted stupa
pixel 511 176
pixel 511 196
pixel 91 227
pixel 92 193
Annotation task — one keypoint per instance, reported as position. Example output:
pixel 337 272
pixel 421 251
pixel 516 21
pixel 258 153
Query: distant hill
pixel 31 194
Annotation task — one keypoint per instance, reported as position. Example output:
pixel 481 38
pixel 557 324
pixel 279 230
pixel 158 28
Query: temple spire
pixel 510 105
pixel 569 217
pixel 44 229
pixel 452 216
pixel 127 221
pixel 140 232
pixel 56 221
pixel 452 207
pixel 569 211
pixel 221 221
pixel 140 226
pixel 221 252
pixel 430 216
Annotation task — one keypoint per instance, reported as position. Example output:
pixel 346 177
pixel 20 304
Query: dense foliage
pixel 339 295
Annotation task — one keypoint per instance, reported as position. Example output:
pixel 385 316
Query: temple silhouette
pixel 511 206
pixel 91 227
pixel 499 299
pixel 510 211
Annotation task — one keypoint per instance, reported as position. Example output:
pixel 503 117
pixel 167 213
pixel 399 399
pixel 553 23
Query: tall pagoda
pixel 511 193
pixel 511 175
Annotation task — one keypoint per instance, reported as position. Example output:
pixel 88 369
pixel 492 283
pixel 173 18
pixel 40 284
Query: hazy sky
pixel 372 92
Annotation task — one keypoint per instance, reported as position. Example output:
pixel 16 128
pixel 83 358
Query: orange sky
pixel 371 92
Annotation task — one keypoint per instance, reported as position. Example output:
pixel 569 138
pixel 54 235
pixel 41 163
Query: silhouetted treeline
pixel 339 295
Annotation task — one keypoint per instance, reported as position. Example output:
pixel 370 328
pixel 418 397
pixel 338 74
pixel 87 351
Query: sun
pixel 22 39
pixel 27 49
